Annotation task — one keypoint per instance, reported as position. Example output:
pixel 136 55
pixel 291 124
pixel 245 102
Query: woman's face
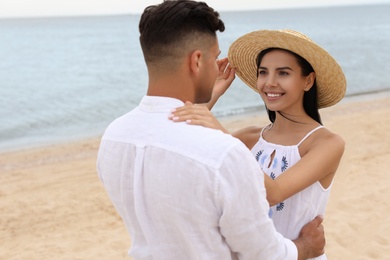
pixel 280 82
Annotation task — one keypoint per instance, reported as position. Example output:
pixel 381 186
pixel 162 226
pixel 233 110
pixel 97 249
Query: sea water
pixel 67 78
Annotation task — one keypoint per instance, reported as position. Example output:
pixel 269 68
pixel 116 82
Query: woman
pixel 295 78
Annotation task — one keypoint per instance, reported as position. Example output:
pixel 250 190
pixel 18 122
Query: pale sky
pixel 36 8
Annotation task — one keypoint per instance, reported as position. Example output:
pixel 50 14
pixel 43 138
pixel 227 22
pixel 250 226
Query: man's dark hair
pixel 168 29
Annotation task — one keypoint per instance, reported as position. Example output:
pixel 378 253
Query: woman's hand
pixel 196 115
pixel 225 78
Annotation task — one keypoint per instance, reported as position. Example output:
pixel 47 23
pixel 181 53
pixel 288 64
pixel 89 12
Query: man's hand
pixel 311 240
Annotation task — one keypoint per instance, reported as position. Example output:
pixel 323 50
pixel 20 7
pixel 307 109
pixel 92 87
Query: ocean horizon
pixel 67 78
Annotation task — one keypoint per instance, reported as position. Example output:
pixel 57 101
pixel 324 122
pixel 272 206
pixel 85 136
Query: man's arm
pixel 244 220
pixel 311 240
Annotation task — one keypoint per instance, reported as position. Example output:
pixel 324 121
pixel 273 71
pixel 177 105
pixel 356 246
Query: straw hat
pixel 331 82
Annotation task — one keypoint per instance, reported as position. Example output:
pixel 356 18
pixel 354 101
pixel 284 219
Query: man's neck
pixel 174 88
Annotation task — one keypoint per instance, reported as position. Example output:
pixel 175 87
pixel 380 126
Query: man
pixel 184 191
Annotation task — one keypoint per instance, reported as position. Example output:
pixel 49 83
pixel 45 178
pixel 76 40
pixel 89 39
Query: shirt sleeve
pixel 244 221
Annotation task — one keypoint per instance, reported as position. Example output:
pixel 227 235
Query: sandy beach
pixel 53 206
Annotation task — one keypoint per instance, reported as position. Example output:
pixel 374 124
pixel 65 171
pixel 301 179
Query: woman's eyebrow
pixel 284 68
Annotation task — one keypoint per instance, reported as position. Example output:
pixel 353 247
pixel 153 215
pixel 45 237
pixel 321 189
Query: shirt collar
pixel 159 104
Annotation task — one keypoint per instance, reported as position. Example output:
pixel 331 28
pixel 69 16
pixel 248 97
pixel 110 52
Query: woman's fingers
pixel 222 65
pixel 195 115
pixel 198 112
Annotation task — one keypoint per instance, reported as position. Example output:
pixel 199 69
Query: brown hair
pixel 168 30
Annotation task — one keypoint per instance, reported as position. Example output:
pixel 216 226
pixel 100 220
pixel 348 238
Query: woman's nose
pixel 271 81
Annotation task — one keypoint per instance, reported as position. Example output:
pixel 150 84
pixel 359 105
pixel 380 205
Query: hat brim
pixel 331 82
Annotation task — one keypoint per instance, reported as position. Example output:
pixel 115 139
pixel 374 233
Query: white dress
pixel 292 214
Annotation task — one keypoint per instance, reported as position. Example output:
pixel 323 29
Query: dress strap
pixel 308 134
pixel 266 127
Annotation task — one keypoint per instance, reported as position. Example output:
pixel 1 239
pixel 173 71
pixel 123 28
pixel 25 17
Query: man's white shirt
pixel 185 191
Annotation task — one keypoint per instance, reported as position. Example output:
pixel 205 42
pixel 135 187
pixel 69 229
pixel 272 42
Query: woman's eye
pixel 283 73
pixel 262 72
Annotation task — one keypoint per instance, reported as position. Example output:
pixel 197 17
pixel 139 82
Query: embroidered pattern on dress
pixel 258 154
pixel 280 206
pixel 275 164
pixel 283 167
pixel 284 164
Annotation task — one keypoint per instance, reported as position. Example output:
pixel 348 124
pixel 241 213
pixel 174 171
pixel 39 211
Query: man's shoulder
pixel 211 137
pixel 210 143
pixel 189 140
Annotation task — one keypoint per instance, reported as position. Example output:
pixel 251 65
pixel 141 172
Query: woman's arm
pixel 319 163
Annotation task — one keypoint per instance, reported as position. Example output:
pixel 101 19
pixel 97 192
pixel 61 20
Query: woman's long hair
pixel 310 99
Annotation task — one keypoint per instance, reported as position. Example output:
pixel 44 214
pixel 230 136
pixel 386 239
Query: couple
pixel 193 192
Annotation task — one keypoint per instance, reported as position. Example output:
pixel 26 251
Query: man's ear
pixel 310 81
pixel 195 61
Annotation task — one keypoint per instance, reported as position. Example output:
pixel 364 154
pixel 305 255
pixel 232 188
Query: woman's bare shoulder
pixel 327 136
pixel 248 135
pixel 325 140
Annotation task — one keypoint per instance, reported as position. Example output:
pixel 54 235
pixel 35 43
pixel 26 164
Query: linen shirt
pixel 185 191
